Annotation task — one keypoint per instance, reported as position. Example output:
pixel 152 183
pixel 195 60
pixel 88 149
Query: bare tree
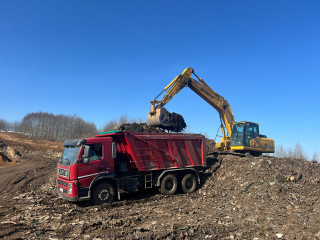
pixel 315 157
pixel 113 124
pixel 298 152
pixel 3 124
pixel 109 126
pixel 124 119
pixel 280 151
pixel 56 127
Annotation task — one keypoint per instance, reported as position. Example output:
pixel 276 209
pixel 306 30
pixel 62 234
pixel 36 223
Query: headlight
pixel 70 188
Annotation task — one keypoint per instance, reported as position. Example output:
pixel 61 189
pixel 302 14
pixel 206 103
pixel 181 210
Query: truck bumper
pixel 71 199
pixel 69 190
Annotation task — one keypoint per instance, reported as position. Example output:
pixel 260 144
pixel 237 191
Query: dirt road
pixel 239 198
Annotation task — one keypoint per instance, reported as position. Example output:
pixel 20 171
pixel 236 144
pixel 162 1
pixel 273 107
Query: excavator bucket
pixel 160 117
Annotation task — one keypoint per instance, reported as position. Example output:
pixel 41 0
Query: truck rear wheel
pixel 189 183
pixel 169 185
pixel 103 193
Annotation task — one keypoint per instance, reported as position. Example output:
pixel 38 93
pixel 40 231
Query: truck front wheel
pixel 169 185
pixel 189 183
pixel 103 193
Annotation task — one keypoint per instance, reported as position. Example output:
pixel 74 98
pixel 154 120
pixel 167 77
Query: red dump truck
pixel 100 168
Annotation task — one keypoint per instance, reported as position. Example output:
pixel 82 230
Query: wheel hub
pixel 104 195
pixel 189 184
pixel 169 185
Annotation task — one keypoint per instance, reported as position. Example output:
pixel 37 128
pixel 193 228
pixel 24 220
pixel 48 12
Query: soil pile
pixel 177 121
pixel 238 198
pixel 210 146
pixel 8 155
pixel 4 159
pixel 138 127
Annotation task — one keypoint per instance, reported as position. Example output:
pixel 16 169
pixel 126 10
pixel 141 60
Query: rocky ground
pixel 238 198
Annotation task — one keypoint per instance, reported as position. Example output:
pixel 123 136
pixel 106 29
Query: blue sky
pixel 103 59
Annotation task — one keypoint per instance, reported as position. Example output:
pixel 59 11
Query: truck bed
pixel 156 151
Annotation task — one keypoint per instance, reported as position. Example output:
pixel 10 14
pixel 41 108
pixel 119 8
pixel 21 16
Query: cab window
pixel 248 134
pixel 95 152
pixel 237 134
pixel 255 131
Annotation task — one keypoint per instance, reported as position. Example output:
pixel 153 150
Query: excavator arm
pixel 159 116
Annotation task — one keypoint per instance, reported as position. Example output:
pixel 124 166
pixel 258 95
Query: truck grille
pixel 63 172
pixel 63 183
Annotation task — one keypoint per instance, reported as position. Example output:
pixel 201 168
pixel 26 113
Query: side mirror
pixel 86 154
pixel 114 150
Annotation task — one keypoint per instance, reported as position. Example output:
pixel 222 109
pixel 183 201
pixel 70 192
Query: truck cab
pixel 80 164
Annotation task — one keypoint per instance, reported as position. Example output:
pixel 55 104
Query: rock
pixel 279 235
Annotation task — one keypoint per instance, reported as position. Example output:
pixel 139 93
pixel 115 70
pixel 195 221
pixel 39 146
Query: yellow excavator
pixel 242 137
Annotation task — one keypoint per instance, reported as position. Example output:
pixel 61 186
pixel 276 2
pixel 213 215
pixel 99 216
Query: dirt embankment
pixel 238 198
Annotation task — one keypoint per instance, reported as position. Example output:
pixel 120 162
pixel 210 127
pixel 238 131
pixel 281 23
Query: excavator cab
pixel 245 137
pixel 243 132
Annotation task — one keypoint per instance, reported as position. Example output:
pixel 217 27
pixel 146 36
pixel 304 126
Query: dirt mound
pixel 210 146
pixel 8 154
pixel 271 197
pixel 4 159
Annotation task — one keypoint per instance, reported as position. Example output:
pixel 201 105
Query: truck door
pixel 96 164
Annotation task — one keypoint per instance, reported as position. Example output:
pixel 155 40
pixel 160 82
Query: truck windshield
pixel 70 155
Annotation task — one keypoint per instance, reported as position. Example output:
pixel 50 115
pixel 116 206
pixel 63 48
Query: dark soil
pixel 238 198
pixel 210 146
pixel 138 127
pixel 177 121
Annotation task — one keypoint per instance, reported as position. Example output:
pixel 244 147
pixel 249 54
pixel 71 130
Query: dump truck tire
pixel 103 193
pixel 169 185
pixel 189 183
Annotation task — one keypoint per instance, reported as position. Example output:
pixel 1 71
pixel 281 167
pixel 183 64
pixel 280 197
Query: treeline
pixel 296 153
pixel 113 124
pixel 51 127
pixel 59 127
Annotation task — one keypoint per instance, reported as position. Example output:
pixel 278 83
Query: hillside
pixel 239 198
